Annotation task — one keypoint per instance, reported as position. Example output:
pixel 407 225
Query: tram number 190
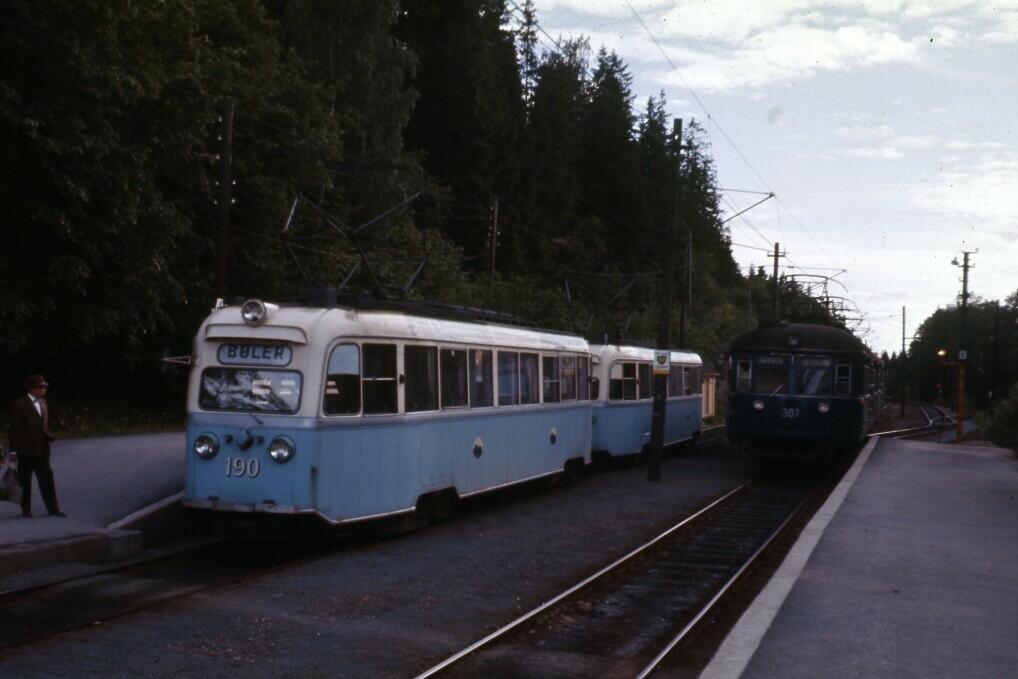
pixel 790 413
pixel 239 466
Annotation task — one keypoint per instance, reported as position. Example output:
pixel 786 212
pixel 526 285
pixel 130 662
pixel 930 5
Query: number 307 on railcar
pixel 801 383
pixel 355 414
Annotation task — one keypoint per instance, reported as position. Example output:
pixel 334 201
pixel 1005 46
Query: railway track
pixel 937 421
pixel 626 619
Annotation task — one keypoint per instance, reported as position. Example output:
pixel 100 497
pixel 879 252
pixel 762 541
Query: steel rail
pixel 722 592
pixel 551 603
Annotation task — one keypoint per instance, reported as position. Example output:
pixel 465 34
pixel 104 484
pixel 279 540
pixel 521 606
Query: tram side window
pixel 343 381
pixel 567 371
pixel 421 366
pixel 508 378
pixel 687 380
pixel 675 381
pixel 453 363
pixel 530 381
pixel 622 385
pixel 843 380
pixel 552 385
pixel 743 374
pixel 481 384
pixel 645 382
pixel 583 378
pixel 697 380
pixel 379 378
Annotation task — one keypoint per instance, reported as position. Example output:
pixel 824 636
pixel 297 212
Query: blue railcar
pixel 801 383
pixel 352 414
pixel 622 407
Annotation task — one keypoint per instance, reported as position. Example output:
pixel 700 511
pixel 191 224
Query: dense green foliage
pixel 110 122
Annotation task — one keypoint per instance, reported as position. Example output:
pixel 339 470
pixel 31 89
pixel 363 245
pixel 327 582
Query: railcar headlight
pixel 281 449
pixel 254 312
pixel 824 407
pixel 206 446
pixel 758 405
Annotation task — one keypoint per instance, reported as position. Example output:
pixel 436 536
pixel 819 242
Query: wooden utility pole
pixel 901 363
pixel 774 301
pixel 962 344
pixel 657 420
pixel 225 150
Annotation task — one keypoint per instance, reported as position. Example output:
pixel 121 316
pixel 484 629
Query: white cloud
pixel 886 152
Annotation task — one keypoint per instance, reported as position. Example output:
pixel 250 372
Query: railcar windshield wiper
pixel 776 390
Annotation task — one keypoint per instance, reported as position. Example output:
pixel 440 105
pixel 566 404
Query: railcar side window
pixel 567 371
pixel 843 380
pixel 645 382
pixel 343 381
pixel 743 375
pixel 622 386
pixel 583 378
pixel 552 386
pixel 508 378
pixel 453 363
pixel 379 378
pixel 421 366
pixel 481 383
pixel 530 380
pixel 675 381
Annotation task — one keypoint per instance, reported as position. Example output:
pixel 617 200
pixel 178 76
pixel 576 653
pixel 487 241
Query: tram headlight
pixel 824 407
pixel 206 446
pixel 282 449
pixel 758 404
pixel 254 312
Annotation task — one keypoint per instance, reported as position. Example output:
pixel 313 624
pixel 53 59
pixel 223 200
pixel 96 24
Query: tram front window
pixel 247 390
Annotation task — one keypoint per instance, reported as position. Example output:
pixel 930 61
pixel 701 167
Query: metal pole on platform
pixel 657 420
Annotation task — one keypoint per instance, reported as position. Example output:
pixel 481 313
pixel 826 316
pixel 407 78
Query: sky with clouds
pixel 884 127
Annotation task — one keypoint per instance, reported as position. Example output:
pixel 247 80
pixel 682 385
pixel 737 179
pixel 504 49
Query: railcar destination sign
pixel 255 354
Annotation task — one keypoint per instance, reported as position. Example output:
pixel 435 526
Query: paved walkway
pixel 914 575
pixel 99 481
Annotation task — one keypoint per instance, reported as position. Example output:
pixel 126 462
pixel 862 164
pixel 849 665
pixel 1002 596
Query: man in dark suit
pixel 29 439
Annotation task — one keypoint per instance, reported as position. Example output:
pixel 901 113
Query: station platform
pixel 108 487
pixel 909 570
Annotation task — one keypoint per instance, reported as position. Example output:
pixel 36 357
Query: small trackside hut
pixel 801 383
pixel 362 413
pixel 623 405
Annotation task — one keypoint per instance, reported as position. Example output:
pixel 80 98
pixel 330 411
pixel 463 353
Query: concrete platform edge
pixel 101 547
pixel 735 652
pixel 148 514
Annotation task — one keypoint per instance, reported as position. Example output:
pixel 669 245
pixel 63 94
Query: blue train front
pixel 801 383
pixel 351 414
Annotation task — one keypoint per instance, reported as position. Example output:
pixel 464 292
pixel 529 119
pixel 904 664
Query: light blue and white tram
pixel 354 414
pixel 623 407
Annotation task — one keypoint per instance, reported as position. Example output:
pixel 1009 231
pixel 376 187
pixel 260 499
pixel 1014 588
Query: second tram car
pixel 622 406
pixel 801 383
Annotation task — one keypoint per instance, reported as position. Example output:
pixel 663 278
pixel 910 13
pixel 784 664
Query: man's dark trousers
pixel 38 465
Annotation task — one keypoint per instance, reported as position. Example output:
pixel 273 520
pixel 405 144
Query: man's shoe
pixel 57 513
pixel 26 515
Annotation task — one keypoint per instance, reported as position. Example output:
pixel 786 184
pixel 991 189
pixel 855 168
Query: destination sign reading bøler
pixel 254 354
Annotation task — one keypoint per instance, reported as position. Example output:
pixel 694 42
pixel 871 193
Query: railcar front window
pixel 552 393
pixel 379 378
pixel 481 384
pixel 813 376
pixel 508 378
pixel 421 368
pixel 770 379
pixel 246 390
pixel 453 363
pixel 530 381
pixel 743 374
pixel 343 381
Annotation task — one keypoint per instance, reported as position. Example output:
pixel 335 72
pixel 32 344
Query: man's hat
pixel 34 381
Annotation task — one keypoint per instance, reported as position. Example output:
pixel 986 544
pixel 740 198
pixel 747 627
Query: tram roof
pixel 301 324
pixel 633 352
pixel 800 336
